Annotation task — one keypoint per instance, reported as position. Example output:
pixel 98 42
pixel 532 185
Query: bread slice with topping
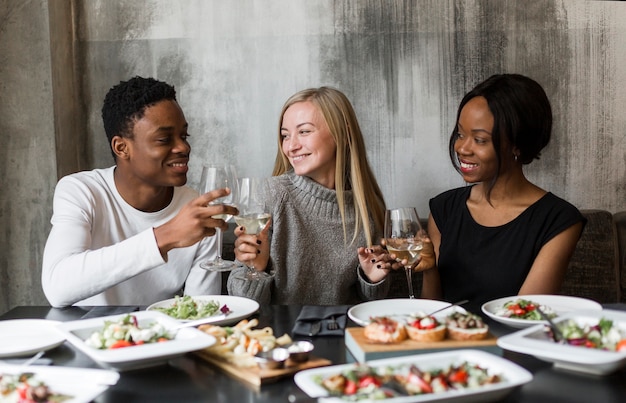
pixel 426 328
pixel 383 329
pixel 466 326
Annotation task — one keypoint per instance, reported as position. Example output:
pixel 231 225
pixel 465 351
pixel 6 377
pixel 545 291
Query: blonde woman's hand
pixel 253 250
pixel 376 262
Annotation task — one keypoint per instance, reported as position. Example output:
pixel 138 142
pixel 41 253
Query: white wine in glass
pixel 404 238
pixel 253 213
pixel 218 177
pixel 253 222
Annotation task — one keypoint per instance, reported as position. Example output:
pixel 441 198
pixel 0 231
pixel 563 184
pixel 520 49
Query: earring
pixel 515 157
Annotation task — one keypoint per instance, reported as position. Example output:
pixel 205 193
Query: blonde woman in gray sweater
pixel 327 212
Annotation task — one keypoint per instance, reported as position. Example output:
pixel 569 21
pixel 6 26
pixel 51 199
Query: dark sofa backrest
pixel 594 270
pixel 620 223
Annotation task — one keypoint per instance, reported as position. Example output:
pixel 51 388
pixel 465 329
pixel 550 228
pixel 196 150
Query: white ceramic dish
pixel 535 341
pixel 240 308
pixel 558 303
pixel 512 374
pixel 83 384
pixel 398 309
pixel 121 359
pixel 20 337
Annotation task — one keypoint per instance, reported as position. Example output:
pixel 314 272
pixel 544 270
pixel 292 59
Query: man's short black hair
pixel 126 102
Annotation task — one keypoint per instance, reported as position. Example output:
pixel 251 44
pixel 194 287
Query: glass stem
pixel 218 234
pixel 409 279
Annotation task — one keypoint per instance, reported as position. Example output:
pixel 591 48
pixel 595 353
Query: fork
pixel 332 323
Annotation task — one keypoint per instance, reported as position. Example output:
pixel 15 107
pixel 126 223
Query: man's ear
pixel 119 145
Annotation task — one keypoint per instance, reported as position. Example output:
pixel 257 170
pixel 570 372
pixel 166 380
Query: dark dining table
pixel 190 379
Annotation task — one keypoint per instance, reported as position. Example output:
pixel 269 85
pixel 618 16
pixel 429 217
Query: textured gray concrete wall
pixel 27 161
pixel 404 64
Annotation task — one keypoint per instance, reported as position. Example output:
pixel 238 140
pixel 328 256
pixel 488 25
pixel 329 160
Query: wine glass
pixel 217 177
pixel 403 238
pixel 253 213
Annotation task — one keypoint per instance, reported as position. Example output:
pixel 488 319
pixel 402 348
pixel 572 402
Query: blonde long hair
pixel 352 170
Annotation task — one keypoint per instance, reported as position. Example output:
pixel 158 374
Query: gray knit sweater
pixel 310 262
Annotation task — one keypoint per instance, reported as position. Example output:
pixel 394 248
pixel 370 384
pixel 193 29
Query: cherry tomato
pixel 417 380
pixel 368 380
pixel 621 345
pixel 21 391
pixel 120 344
pixel 458 376
pixel 350 387
pixel 513 307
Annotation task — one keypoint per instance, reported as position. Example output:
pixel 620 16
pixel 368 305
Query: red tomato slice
pixel 459 376
pixel 621 345
pixel 350 387
pixel 368 380
pixel 590 344
pixel 417 380
pixel 120 344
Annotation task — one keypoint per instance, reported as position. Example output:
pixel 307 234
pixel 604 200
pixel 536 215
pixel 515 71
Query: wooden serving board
pixel 257 376
pixel 362 349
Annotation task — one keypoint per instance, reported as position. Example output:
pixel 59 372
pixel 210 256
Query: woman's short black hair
pixel 127 101
pixel 522 117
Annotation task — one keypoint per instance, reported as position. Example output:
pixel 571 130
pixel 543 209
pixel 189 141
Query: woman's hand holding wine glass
pixel 253 219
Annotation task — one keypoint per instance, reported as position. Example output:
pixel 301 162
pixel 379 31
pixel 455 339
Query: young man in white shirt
pixel 133 233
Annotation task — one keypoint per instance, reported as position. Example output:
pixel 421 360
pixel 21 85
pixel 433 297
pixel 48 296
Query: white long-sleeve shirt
pixel 102 251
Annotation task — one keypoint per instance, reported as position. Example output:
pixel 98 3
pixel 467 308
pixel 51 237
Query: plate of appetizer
pixel 400 309
pixel 385 337
pixel 53 384
pixel 520 311
pixel 214 309
pixel 135 340
pixel 593 341
pixel 458 375
pixel 20 337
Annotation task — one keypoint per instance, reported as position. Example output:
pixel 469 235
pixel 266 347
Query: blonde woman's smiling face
pixel 308 144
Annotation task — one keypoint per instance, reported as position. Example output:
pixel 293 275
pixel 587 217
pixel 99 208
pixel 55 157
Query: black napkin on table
pixel 311 314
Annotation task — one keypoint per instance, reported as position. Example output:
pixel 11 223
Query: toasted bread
pixel 384 330
pixel 466 326
pixel 426 329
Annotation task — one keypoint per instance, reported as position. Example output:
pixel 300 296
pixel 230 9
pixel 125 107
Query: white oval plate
pixel 560 304
pixel 135 357
pixel 512 376
pixel 19 337
pixel 398 309
pixel 240 308
pixel 82 384
pixel 535 341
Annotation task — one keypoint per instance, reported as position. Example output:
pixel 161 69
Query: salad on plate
pixel 524 309
pixel 188 308
pixel 603 335
pixel 126 332
pixel 25 387
pixel 363 382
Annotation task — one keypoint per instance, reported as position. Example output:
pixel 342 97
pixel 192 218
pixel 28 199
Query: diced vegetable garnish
pixel 125 333
pixel 524 309
pixel 603 335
